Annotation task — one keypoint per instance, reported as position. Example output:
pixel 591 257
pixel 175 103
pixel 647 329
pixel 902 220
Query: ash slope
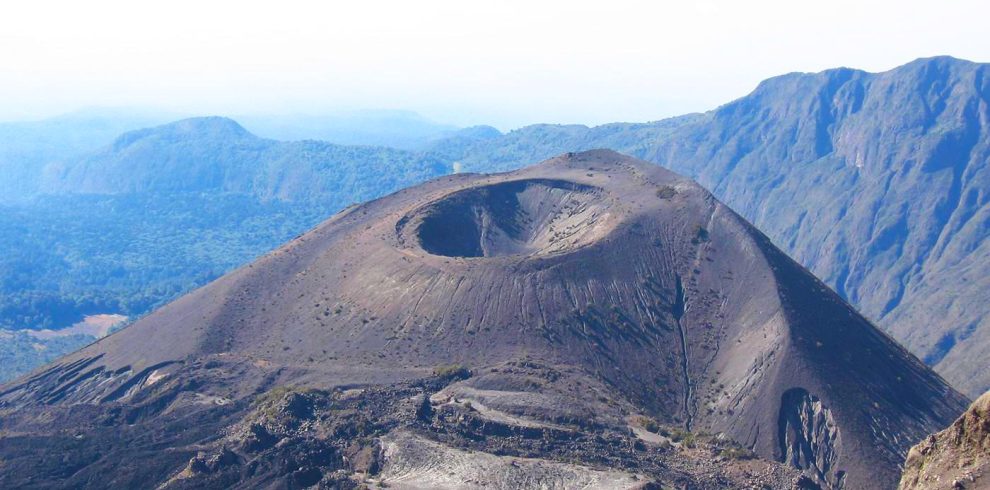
pixel 646 296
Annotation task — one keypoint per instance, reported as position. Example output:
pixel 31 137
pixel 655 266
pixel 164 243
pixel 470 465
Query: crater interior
pixel 520 217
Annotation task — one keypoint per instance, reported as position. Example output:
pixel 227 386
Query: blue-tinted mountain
pixel 483 149
pixel 162 210
pixel 26 147
pixel 217 155
pixel 877 182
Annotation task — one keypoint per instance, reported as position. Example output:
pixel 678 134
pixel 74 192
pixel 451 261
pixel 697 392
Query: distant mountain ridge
pixel 26 147
pixel 216 154
pixel 877 182
pixel 485 149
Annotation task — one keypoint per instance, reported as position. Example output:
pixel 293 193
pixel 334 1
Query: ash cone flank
pixel 583 292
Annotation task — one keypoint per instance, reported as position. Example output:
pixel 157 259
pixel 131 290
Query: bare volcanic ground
pixel 592 320
pixel 955 458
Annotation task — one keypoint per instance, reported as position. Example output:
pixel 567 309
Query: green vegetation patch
pixel 452 371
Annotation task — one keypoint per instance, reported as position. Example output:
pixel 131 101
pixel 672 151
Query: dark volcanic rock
pixel 563 302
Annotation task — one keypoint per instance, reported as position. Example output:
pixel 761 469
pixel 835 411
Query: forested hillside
pixel 26 147
pixel 163 210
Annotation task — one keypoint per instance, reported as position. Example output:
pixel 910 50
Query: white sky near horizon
pixel 506 63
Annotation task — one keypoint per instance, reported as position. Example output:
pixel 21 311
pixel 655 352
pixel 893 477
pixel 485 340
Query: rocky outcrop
pixel 956 458
pixel 808 436
pixel 380 437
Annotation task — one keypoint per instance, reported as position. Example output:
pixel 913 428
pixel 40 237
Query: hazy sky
pixel 502 62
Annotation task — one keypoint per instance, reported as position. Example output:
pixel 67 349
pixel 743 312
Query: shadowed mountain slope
pixel 879 183
pixel 876 182
pixel 586 294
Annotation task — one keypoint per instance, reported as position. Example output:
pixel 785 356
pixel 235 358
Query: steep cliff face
pixel 878 183
pixel 585 294
pixel 956 458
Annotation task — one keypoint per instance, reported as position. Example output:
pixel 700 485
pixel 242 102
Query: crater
pixel 521 217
